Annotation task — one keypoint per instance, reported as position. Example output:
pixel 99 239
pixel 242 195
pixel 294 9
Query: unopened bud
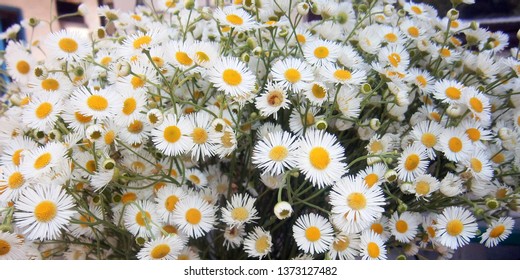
pixel 283 210
pixel 303 8
pixel 321 125
pixel 375 124
pixel 453 14
pixel 492 203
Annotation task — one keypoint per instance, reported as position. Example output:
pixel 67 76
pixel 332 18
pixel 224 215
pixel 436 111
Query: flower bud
pixel 505 133
pixel 283 210
pixel 140 241
pixel 402 207
pixel 189 4
pixel 405 188
pixel 375 124
pixel 389 10
pixel 55 135
pixel 390 175
pixel 109 164
pixel 116 198
pixel 83 9
pixel 251 42
pixel 474 25
pixel 401 258
pixel 455 110
pixel 122 69
pixel 302 8
pixel 257 51
pixel 33 22
pixel 518 34
pixel 452 14
pixel 245 57
pixel 321 125
pixel 492 203
pixel 101 33
pixel 401 13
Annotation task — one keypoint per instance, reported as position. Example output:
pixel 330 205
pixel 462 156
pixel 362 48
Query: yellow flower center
pixel 262 244
pixel 109 137
pixel 454 227
pixel 44 110
pixel 183 58
pixel 142 41
pixel 473 134
pixel 455 144
pixel 476 165
pixel 501 193
pixel 136 17
pixel 318 91
pixel 160 251
pixel 301 38
pixel 193 216
pixel 135 127
pixel 275 98
pixel 341 245
pixel 476 104
pixel 413 31
pixel 435 116
pixel 239 214
pixel 445 52
pixel 68 45
pixel 321 52
pixel 371 179
pixel 376 147
pixel 128 197
pixel 90 166
pixel 454 24
pixel 278 153
pixel 422 188
pixel 5 247
pixel 23 67
pixel 319 158
pixel 234 19
pixel 401 226
pixel 106 60
pixel 292 75
pixel 17 157
pixel 391 37
pixel 312 234
pixel 170 229
pixel 137 82
pixel 394 59
pixel 16 180
pixel 129 106
pixel 172 133
pixel 373 250
pixel 356 201
pixel 42 161
pixel 194 179
pixel 227 139
pixel 86 220
pixel 97 102
pixel 82 118
pixel 143 218
pixel 431 231
pixel 138 166
pixel 377 228
pixel 199 135
pixel 50 84
pixel 411 162
pixel 342 74
pixel 498 158
pixel 170 203
pixel 231 77
pixel 421 80
pixel 497 231
pixel 428 139
pixel 45 211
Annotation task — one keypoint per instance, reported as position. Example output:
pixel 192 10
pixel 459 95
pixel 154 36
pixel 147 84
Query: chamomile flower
pixel 320 158
pixel 41 160
pixel 412 162
pixel 232 76
pixel 276 153
pixel 180 54
pixel 394 56
pixel 239 210
pixel 196 177
pixel 424 185
pixel 258 243
pixel 42 112
pixel 201 134
pixel 427 133
pixel 128 106
pixel 404 226
pixel 67 45
pixel 292 73
pixel 43 212
pixel 381 227
pixel 372 246
pixel 345 246
pixel 449 91
pixel 354 205
pixel 12 183
pixel 478 104
pixel 316 92
pixel 194 216
pixel 100 104
pixel 235 18
pixel 205 53
pixel 321 52
pixel 171 137
pixel 20 63
pixel 456 226
pixel 141 219
pixel 373 175
pixel 340 75
pixel 135 43
pixel 234 236
pixel 497 231
pixel 273 99
pixel 162 248
pixel 455 144
pixel 479 165
pixel 303 119
pixel 167 199
pixel 11 247
pixel 313 233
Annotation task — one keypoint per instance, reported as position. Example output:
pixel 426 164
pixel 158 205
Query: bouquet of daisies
pixel 267 129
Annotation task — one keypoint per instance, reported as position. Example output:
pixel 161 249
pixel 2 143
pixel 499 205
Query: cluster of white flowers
pixel 253 131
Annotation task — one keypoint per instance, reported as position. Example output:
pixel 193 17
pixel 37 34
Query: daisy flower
pixel 292 73
pixel 455 227
pixel 412 162
pixel 272 100
pixel 234 236
pixel 340 75
pixel 479 165
pixel 449 91
pixel 477 103
pixel 302 119
pixel 205 53
pixel 258 243
pixel 276 153
pixel 135 43
pixel 188 253
pixel 394 56
pixel 167 199
pixel 201 134
pixel 19 63
pixel 128 106
pixel 100 104
pixel 373 175
pixel 43 212
pixel 11 247
pixel 381 227
pixel 427 133
pixel 13 153
pixel 313 233
pixel 39 161
pixel 316 92
pixel 354 205
pixel 320 158
pixel 12 183
pixel 67 45
pixel 372 246
pixel 321 52
pixel 180 54
pixel 455 144
pixel 498 231
pixel 162 248
pixel 404 226
pixel 196 177
pixel 345 247
pixel 171 137
pixel 232 76
pixel 424 185
pixel 235 18
pixel 141 219
pixel 43 111
pixel 194 216
pixel 239 210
